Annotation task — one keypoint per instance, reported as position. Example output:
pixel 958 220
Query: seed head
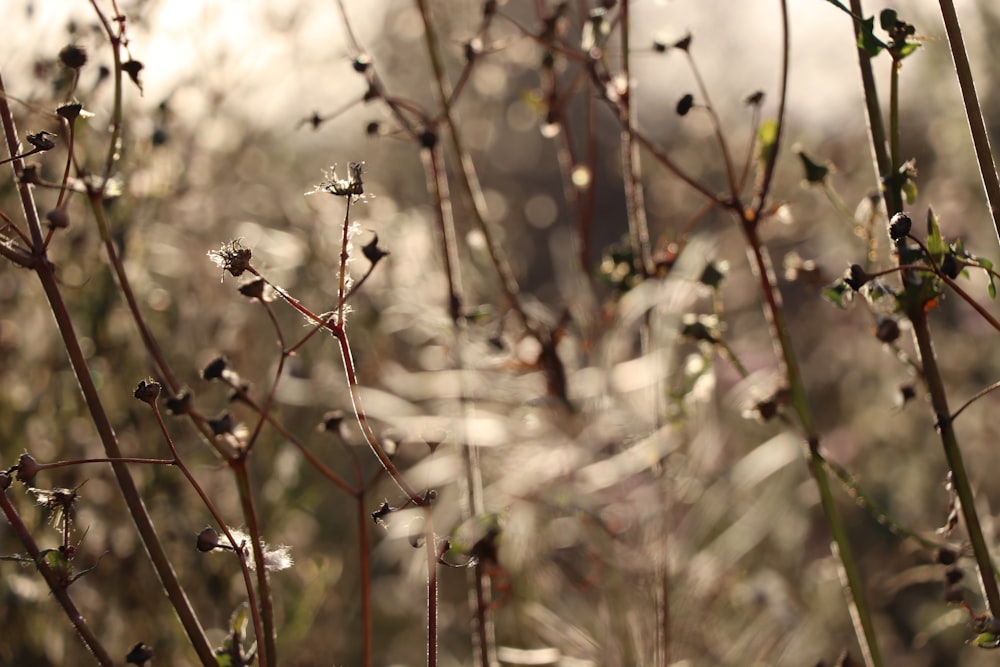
pixel 73 56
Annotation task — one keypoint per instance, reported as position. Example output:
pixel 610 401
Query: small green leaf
pixel 839 293
pixel 910 192
pixel 815 173
pixel 867 40
pixel 988 640
pixel 935 242
pixel 767 136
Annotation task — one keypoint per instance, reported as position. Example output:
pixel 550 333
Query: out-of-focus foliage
pixel 654 503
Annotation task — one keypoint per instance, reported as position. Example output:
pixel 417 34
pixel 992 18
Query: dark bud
pixel 332 421
pixel 907 393
pixel 754 100
pixel 472 48
pixel 699 330
pixel 379 515
pixel 899 226
pixel 253 289
pixel 362 63
pixel 214 369
pixel 660 46
pixel 766 410
pixel 73 56
pixel 685 104
pixel 372 252
pixel 953 574
pixel 712 276
pixel 684 43
pixel 30 175
pixel 147 392
pixel 139 655
pixel 103 73
pixel 887 330
pixel 372 128
pixel 70 111
pixel 41 141
pixel 133 68
pixel 241 394
pixel 179 404
pixel 222 424
pixel 857 277
pixel 27 467
pixel 58 218
pixel 160 136
pixel 950 266
pixel 946 556
pixel 208 540
pixel 428 139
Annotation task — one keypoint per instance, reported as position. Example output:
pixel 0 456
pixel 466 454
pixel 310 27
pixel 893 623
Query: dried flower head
pixel 275 558
pixel 232 257
pixel 352 186
pixel 73 56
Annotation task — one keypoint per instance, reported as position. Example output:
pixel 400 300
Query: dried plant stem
pixel 959 476
pixel 46 274
pixel 55 584
pixel 266 642
pixel 973 112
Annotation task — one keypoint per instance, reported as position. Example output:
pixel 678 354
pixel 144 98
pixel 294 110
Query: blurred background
pixel 657 486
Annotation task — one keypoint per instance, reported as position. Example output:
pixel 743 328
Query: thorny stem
pixel 55 584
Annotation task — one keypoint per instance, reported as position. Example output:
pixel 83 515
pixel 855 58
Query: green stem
pixel 959 476
pixel 977 126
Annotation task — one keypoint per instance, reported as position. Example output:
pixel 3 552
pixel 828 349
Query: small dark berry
pixel 950 266
pixel 660 46
pixel 27 468
pixel 139 655
pixel 755 100
pixel 332 421
pixel 147 392
pixel 953 574
pixel 214 369
pixel 946 556
pixel 856 277
pixel 899 226
pixel 362 63
pixel 428 139
pixel 684 104
pixel 372 128
pixel 73 56
pixel 887 330
pixel 58 218
pixel 179 404
pixel 70 111
pixel 222 424
pixel 208 540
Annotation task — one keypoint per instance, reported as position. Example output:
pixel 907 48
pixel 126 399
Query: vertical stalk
pixel 973 112
pixel 959 476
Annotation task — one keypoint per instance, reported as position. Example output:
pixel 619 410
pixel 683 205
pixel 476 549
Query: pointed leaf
pixel 935 242
pixel 867 40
